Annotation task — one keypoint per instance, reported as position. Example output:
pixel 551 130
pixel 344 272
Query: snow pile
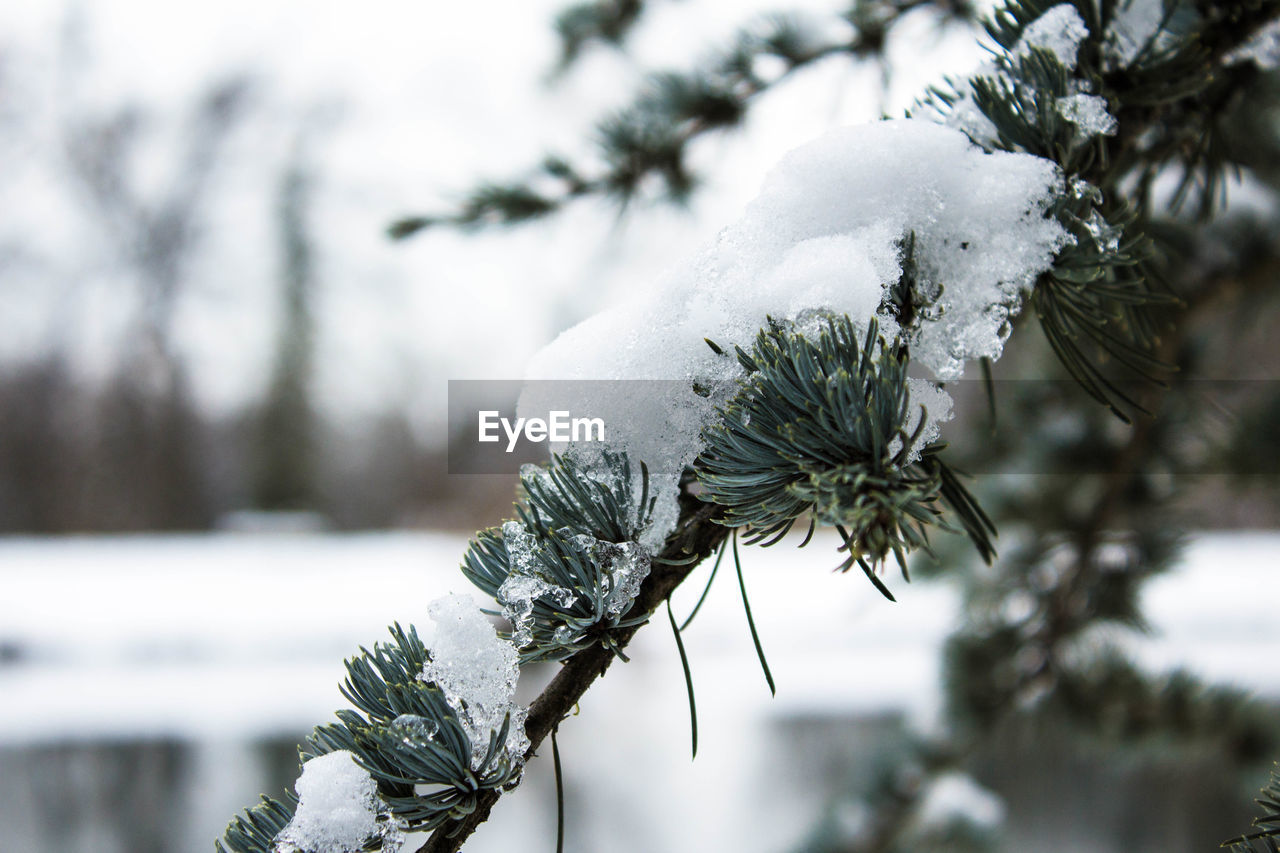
pixel 477 672
pixel 337 808
pixel 826 234
pixel 1059 30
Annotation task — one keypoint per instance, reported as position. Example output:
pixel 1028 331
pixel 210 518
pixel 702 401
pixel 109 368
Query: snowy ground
pixel 229 639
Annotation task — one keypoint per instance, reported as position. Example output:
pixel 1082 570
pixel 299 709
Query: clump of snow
pixel 1059 30
pixel 954 797
pixel 517 595
pixel 477 672
pixel 337 807
pixel 1263 48
pixel 1104 235
pixel 1088 113
pixel 622 567
pixel 825 236
pixel 1134 29
pixel 526 583
pixel 928 401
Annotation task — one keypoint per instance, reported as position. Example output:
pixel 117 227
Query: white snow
pixel 337 807
pixel 929 401
pixel 99 661
pixel 955 797
pixel 964 114
pixel 1059 30
pixel 824 235
pixel 1088 113
pixel 1263 48
pixel 414 729
pixel 1133 30
pixel 477 672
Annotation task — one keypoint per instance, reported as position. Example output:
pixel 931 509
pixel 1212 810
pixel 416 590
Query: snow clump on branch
pixel 825 236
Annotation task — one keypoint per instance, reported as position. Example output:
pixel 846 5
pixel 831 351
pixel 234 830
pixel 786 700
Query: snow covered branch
pixel 766 382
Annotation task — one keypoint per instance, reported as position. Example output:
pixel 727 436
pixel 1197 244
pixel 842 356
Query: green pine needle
pixel 751 622
pixel 688 679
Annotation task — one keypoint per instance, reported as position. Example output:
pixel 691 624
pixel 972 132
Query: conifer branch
pixel 698 535
pixel 1263 839
pixel 604 21
pixel 1110 698
pixel 647 141
pixel 1104 292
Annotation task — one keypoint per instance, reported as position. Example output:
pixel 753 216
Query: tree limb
pixel 695 538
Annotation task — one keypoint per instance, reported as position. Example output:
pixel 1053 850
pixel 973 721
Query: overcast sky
pixel 422 98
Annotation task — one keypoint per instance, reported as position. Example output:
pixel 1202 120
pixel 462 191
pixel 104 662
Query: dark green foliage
pixel 1096 304
pixel 751 622
pixel 644 145
pixel 606 21
pixel 806 413
pixel 406 734
pixel 410 735
pixel 578 528
pixel 688 680
pixel 1099 295
pixel 1088 542
pixel 256 830
pixel 820 428
pixel 1114 699
pixel 608 508
pixel 1266 836
pixel 1099 304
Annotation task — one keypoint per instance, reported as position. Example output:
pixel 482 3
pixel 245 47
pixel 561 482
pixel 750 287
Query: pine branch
pixel 1107 697
pixel 1098 302
pixel 698 534
pixel 1264 838
pixel 1065 622
pixel 648 141
pixel 1099 287
pixel 604 21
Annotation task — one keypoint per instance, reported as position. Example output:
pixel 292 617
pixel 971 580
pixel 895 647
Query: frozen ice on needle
pixel 1088 113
